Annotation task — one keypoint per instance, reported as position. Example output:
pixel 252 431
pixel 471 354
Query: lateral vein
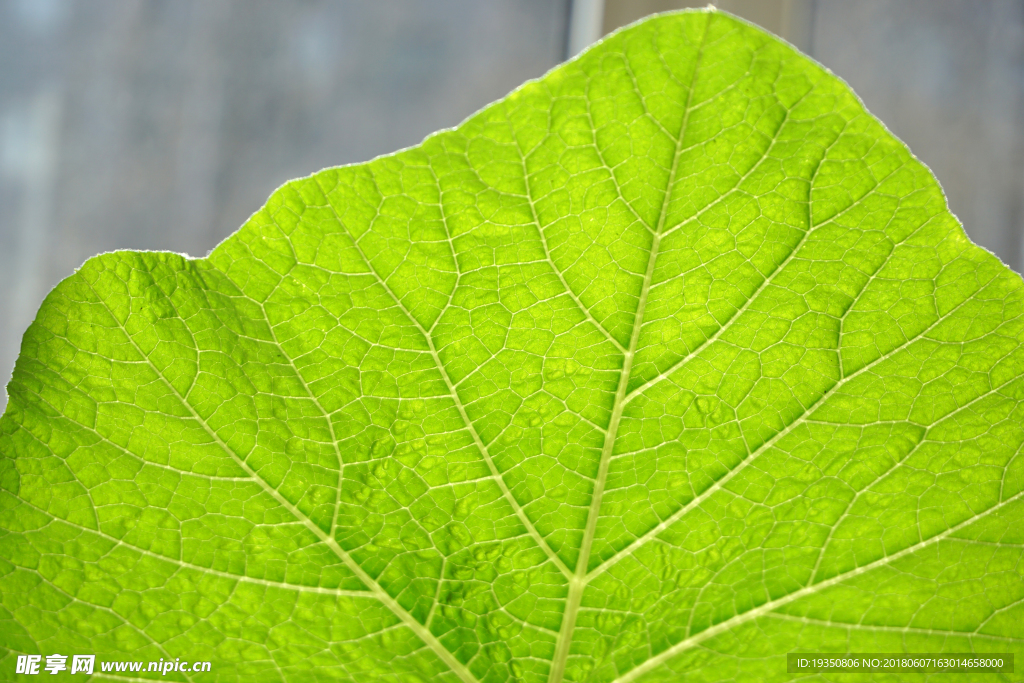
pixel 495 474
pixel 772 605
pixel 391 603
pixel 720 483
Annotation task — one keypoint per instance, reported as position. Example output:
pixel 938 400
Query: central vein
pixel 578 581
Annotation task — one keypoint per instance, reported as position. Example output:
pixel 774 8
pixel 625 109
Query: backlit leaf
pixel 669 363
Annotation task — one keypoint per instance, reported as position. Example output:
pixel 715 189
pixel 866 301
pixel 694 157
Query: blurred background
pixel 163 124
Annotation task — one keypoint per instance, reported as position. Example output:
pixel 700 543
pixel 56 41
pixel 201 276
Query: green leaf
pixel 669 363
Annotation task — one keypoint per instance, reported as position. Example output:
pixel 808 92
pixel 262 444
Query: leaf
pixel 669 363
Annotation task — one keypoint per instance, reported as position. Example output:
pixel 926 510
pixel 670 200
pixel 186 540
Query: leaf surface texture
pixel 669 363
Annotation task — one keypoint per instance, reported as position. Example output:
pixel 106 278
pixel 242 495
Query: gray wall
pixel 946 77
pixel 162 124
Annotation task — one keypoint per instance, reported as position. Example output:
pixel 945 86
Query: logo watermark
pixel 33 665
